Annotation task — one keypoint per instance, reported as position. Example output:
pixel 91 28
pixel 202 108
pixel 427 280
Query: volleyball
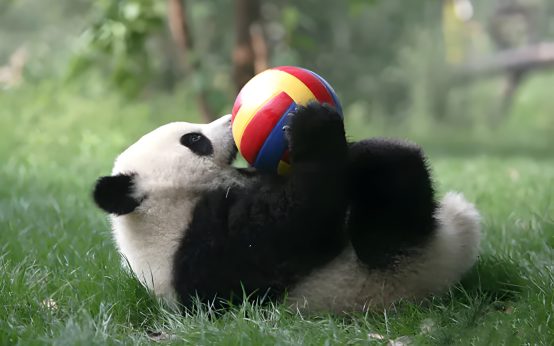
pixel 261 108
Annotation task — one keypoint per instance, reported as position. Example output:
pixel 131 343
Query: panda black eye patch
pixel 197 143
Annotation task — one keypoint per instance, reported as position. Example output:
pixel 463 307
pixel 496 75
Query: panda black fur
pixel 354 226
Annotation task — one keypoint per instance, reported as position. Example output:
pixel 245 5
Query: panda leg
pixel 392 203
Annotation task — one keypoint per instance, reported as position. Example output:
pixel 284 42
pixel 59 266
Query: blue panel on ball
pixel 275 145
pixel 331 91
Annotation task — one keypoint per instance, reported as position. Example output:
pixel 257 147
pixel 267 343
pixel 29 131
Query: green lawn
pixel 61 280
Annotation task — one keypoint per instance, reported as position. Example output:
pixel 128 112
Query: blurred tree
pixel 383 57
pixel 512 25
pixel 118 36
pixel 127 38
pixel 355 44
pixel 11 74
pixel 455 17
pixel 183 39
pixel 4 4
pixel 514 29
pixel 250 53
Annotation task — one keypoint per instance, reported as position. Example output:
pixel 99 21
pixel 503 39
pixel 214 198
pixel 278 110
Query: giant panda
pixel 354 226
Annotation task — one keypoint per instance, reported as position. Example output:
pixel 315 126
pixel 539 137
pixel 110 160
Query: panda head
pixel 174 158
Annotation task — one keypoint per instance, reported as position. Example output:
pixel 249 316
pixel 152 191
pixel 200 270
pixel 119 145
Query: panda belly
pixel 338 286
pixel 347 285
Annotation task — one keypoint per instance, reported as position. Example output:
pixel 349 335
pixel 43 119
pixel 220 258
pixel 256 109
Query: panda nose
pixel 226 119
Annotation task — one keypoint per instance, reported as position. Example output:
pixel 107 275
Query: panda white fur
pixel 353 227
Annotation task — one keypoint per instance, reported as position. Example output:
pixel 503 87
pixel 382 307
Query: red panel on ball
pixel 261 125
pixel 312 82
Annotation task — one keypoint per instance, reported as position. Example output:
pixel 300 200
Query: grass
pixel 61 281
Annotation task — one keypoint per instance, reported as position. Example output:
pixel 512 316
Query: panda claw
pixel 287 132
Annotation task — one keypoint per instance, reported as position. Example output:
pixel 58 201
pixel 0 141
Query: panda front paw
pixel 316 132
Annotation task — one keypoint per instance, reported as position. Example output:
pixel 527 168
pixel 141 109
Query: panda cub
pixel 354 226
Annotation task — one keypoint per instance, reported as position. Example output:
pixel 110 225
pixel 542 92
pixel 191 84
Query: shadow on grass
pixel 494 284
pixel 498 278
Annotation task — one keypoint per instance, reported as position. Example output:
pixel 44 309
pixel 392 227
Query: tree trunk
pixel 259 46
pixel 516 63
pixel 511 86
pixel 529 58
pixel 250 52
pixel 182 37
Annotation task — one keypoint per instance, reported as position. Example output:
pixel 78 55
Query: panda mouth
pixel 232 154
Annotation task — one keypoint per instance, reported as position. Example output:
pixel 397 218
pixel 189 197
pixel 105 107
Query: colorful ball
pixel 261 108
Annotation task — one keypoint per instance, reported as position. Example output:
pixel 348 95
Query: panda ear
pixel 114 194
